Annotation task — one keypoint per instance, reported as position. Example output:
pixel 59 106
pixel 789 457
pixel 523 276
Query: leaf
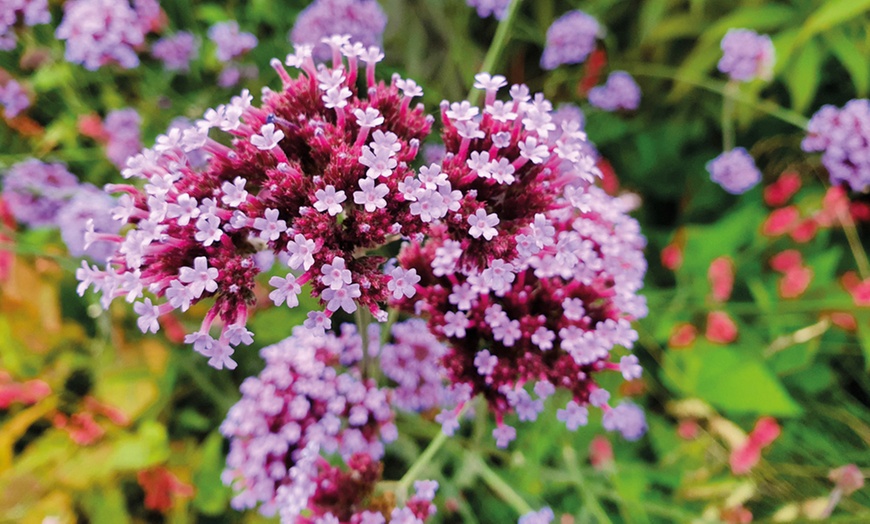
pixel 863 319
pixel 830 14
pixel 211 495
pixel 728 380
pixel 802 77
pixel 149 446
pixel 106 505
pixel 855 63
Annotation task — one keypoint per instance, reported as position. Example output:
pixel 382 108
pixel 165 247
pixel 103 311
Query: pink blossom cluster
pixel 532 280
pixel 306 438
pixel 312 176
pixel 101 32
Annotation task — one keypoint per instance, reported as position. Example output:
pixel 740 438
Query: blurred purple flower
pixel 176 51
pixel 747 55
pixel 235 73
pixel 35 191
pixel 100 32
pixel 844 137
pixel 626 418
pixel 485 8
pixel 13 98
pixel 124 139
pixel 88 204
pixel 363 20
pixel 570 39
pixel 543 516
pixel 230 42
pixel 569 113
pixel 735 171
pixel 31 12
pixel 619 92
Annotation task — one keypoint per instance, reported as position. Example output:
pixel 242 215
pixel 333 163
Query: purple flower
pixel 100 32
pixel 35 191
pixel 30 12
pixel 230 42
pixel 124 138
pixel 90 209
pixel 413 362
pixel 485 8
pixel 176 51
pixel 13 98
pixel 843 135
pixel 234 73
pixel 735 171
pixel 362 20
pixel 746 55
pixel 542 516
pixel 570 39
pixel 619 92
pixel 627 418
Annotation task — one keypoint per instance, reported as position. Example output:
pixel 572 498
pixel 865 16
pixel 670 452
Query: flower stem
pixel 423 460
pixel 499 486
pixel 499 43
pixel 766 106
pixel 363 318
pixel 728 137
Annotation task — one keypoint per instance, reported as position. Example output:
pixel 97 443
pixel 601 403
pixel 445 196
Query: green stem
pixel 499 486
pixel 771 108
pixel 423 460
pixel 728 135
pixel 498 46
pixel 218 397
pixel 363 318
pixel 855 243
pixel 594 506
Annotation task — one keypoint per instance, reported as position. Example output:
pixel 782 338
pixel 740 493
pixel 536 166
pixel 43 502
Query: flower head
pixel 176 51
pixel 735 171
pixel 362 20
pixel 619 92
pixel 843 135
pixel 746 55
pixel 35 191
pixel 30 12
pixel 230 42
pixel 13 98
pixel 570 39
pixel 123 136
pixel 485 8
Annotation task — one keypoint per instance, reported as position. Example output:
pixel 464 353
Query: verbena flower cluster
pixel 735 171
pixel 312 176
pixel 620 92
pixel 362 20
pixel 176 51
pixel 302 411
pixel 485 8
pixel 747 55
pixel 532 279
pixel 570 39
pixel 28 12
pixel 101 32
pixel 47 195
pixel 414 362
pixel 13 98
pixel 843 135
pixel 122 135
pixel 231 43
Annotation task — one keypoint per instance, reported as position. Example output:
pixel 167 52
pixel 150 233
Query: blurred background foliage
pixel 96 418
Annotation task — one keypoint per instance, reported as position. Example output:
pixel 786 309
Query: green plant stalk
pixel 423 460
pixel 771 108
pixel 855 244
pixel 363 319
pixel 728 134
pixel 592 503
pixel 499 486
pixel 497 48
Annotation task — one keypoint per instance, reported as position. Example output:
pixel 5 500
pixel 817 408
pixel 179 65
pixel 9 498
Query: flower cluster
pixel 35 191
pixel 13 98
pixel 543 298
pixel 300 411
pixel 312 176
pixel 363 20
pixel 844 137
pixel 413 362
pixel 122 135
pixel 230 42
pixel 485 8
pixel 735 171
pixel 30 12
pixel 88 225
pixel 746 55
pixel 620 92
pixel 570 39
pixel 176 51
pixel 100 32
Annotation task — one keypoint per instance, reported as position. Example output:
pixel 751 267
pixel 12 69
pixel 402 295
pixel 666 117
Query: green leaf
pixel 211 495
pixel 802 76
pixel 728 380
pixel 106 505
pixel 863 319
pixel 855 62
pixel 148 447
pixel 830 14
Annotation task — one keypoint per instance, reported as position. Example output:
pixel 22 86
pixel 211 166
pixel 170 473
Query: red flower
pixel 721 329
pixel 721 276
pixel 746 456
pixel 160 487
pixel 778 193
